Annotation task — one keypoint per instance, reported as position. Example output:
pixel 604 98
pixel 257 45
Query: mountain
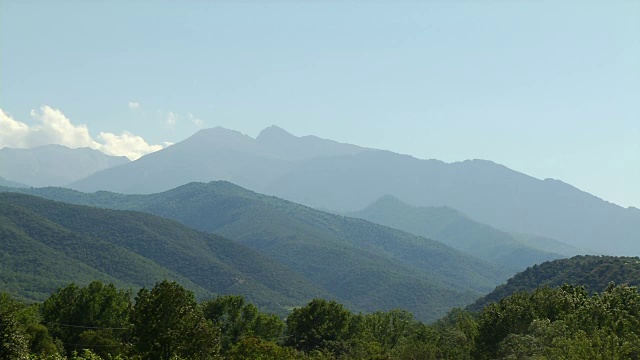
pixel 53 165
pixel 595 273
pixel 8 183
pixel 458 231
pixel 324 174
pixel 216 154
pixel 551 245
pixel 368 266
pixel 45 244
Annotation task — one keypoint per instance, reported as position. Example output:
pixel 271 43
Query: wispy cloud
pixel 196 121
pixel 134 105
pixel 55 128
pixel 171 120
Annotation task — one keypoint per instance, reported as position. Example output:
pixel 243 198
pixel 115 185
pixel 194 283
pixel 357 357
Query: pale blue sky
pixel 548 88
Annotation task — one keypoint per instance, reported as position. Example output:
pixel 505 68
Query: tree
pixel 319 325
pixel 168 322
pixel 237 319
pixel 73 310
pixel 13 341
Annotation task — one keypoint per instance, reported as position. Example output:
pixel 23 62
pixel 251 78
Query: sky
pixel 547 88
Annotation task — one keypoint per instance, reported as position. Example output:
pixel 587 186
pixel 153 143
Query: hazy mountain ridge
pixel 595 273
pixel 370 266
pixel 9 183
pixel 347 179
pixel 53 165
pixel 139 249
pixel 455 229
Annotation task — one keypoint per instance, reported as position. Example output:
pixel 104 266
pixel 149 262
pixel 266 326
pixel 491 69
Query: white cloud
pixel 171 121
pixel 56 128
pixel 196 121
pixel 12 132
pixel 134 105
pixel 126 144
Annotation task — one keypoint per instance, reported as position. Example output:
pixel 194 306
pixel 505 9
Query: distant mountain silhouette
pixel 53 165
pixel 453 228
pixel 324 174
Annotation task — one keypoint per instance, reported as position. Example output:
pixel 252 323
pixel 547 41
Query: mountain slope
pixel 314 172
pixel 368 266
pixel 140 249
pixel 595 273
pixel 456 230
pixel 53 165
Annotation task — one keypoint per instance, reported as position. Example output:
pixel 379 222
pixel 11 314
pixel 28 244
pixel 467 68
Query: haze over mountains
pixel 339 177
pixel 53 165
pixel 453 228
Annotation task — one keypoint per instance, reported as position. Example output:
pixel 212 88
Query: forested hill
pixel 455 229
pixel 45 244
pixel 595 273
pixel 368 266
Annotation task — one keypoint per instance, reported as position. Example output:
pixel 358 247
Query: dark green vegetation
pixel 453 228
pixel 364 265
pixel 45 244
pixel 165 322
pixel 339 177
pixel 594 273
pixel 53 165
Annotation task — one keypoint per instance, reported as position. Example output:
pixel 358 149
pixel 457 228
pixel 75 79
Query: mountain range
pixel 53 165
pixel 340 177
pixel 369 266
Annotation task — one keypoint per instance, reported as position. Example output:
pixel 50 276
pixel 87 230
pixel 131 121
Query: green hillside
pixel 368 266
pixel 55 243
pixel 595 273
pixel 457 230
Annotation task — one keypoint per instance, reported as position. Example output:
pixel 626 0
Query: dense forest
pixel 101 321
pixel 595 273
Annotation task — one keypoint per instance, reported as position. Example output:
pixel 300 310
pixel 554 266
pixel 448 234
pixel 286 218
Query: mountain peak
pixel 390 202
pixel 274 132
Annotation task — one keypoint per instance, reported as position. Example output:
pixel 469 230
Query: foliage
pixel 73 314
pixel 237 320
pixel 168 322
